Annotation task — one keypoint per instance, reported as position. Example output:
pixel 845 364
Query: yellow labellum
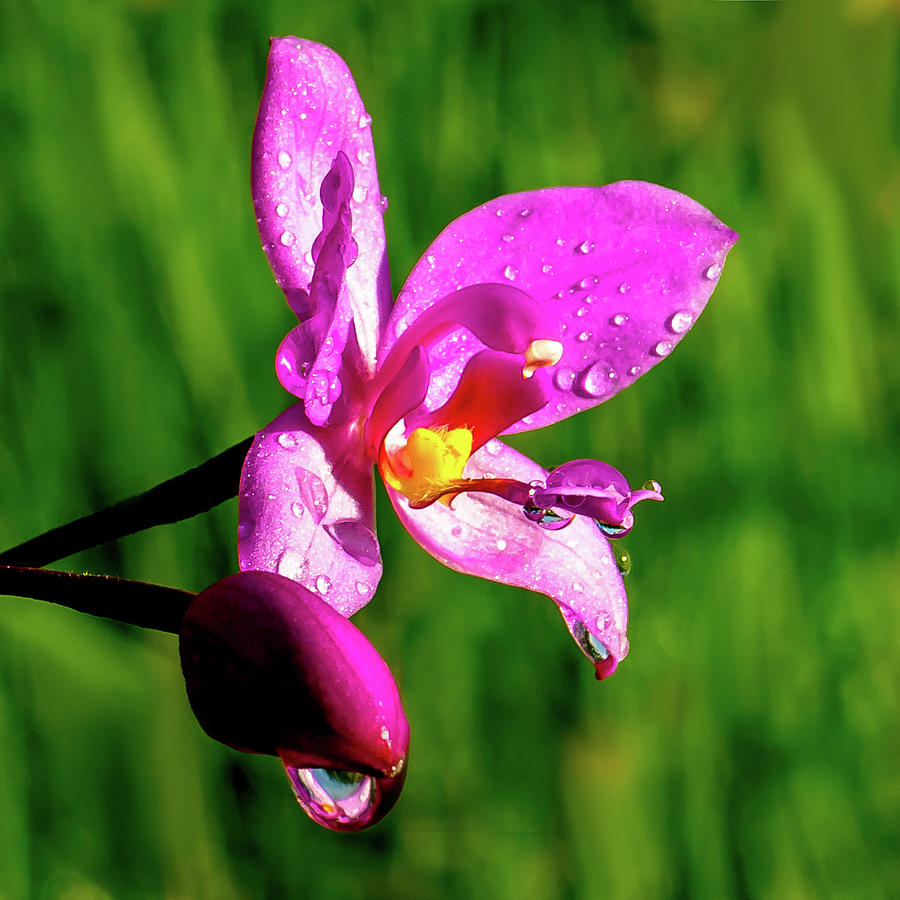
pixel 430 459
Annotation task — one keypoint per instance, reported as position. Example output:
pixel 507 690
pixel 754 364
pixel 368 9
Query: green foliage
pixel 748 745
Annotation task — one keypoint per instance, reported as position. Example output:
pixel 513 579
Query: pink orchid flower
pixel 524 311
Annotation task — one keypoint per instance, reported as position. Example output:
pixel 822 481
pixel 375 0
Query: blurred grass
pixel 748 747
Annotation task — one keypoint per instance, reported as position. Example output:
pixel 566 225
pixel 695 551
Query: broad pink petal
pixel 309 111
pixel 306 510
pixel 626 270
pixel 484 535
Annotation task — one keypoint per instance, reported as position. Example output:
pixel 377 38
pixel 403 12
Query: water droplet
pixel 680 322
pixel 524 213
pixel 624 287
pixel 501 544
pixel 385 734
pixel 584 336
pixel 623 559
pixel 292 564
pixel 510 273
pixel 332 797
pixel 663 348
pixel 634 371
pixel 356 539
pixel 652 486
pixel 619 319
pixel 297 509
pixel 287 238
pixel 313 492
pixel 362 588
pixel 284 159
pixel 604 620
pixel 245 528
pixel 564 379
pixel 588 282
pixel 281 210
pixel 585 247
pixel 595 650
pixel 383 203
pixel 560 242
pixel 430 260
pixel 508 238
pixel 365 120
pixel 546 268
pixel 598 379
pixel 287 440
pixel 581 312
pixel 360 192
pixel 712 272
pixel 363 156
pixel 323 584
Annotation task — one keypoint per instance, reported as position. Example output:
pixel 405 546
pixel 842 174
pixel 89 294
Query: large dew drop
pixel 341 801
pixel 313 493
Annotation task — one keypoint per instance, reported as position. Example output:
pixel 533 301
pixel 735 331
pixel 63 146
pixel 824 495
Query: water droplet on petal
pixel 508 238
pixel 332 797
pixel 287 238
pixel 663 348
pixel 281 210
pixel 634 371
pixel 360 192
pixel 365 120
pixel 584 336
pixel 323 584
pixel 588 282
pixel 652 486
pixel 287 440
pixel 362 588
pixel 510 273
pixel 585 247
pixel 546 268
pixel 598 379
pixel 297 509
pixel 501 544
pixel 712 272
pixel 624 287
pixel 592 646
pixel 357 539
pixel 619 319
pixel 363 156
pixel 292 564
pixel 313 492
pixel 581 312
pixel 524 213
pixel 383 203
pixel 564 379
pixel 284 159
pixel 680 322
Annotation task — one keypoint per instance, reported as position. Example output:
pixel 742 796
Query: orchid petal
pixel 484 535
pixel 625 269
pixel 309 112
pixel 306 510
pixel 271 668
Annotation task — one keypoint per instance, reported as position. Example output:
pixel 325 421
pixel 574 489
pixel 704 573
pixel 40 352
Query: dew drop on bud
pixel 332 797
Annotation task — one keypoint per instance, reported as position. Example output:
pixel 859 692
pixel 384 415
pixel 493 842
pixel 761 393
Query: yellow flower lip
pixel 430 460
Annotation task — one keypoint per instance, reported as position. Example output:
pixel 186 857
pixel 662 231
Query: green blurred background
pixel 749 746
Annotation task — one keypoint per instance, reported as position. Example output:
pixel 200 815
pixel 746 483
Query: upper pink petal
pixel 309 111
pixel 626 270
pixel 306 510
pixel 484 535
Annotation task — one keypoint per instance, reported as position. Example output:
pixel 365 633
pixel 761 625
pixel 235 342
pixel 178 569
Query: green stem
pixel 186 495
pixel 132 602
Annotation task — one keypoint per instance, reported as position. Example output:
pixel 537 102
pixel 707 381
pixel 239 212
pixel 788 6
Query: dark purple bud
pixel 271 668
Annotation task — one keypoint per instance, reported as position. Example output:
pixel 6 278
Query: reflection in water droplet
pixel 564 379
pixel 510 273
pixel 595 650
pixel 323 584
pixel 281 210
pixel 284 159
pixel 313 492
pixel 652 486
pixel 333 797
pixel 599 379
pixel 712 272
pixel 663 348
pixel 680 322
pixel 623 559
pixel 287 238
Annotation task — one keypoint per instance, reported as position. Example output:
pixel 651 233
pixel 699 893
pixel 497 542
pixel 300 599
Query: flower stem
pixel 186 495
pixel 132 602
